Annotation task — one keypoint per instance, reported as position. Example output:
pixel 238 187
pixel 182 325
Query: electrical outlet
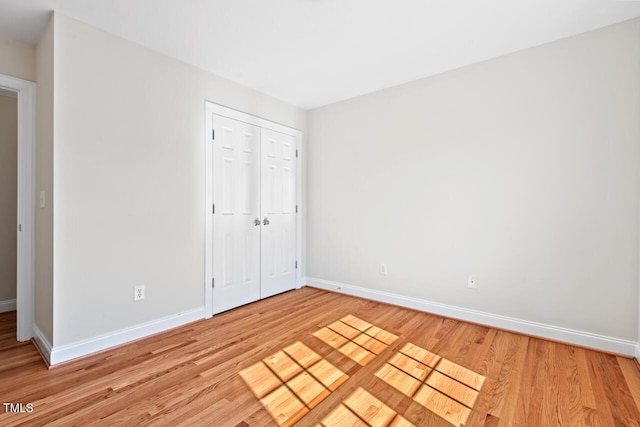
pixel 383 269
pixel 472 282
pixel 138 293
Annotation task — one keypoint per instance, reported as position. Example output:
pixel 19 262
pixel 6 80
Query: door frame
pixel 211 109
pixel 25 235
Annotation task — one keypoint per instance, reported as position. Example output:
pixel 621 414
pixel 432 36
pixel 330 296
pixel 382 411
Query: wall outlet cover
pixel 138 293
pixel 472 282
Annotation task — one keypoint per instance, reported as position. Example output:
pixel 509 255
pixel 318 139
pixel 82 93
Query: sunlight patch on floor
pixel 292 381
pixel 443 387
pixel 361 408
pixel 357 339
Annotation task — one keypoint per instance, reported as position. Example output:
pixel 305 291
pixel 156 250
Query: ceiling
pixel 315 52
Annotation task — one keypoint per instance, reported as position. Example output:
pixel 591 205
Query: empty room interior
pixel 320 213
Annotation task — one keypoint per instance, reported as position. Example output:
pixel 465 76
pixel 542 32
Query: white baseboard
pixel 7 305
pixel 64 353
pixel 43 343
pixel 555 333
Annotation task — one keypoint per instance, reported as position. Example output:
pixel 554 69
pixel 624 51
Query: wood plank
pixel 410 365
pixel 460 373
pixel 282 365
pixel 344 329
pixel 454 389
pixel 330 376
pixel 629 369
pixel 401 381
pixel 356 353
pixel 370 409
pixel 331 338
pixel 420 354
pixel 343 416
pixel 355 322
pixel 284 406
pixel 370 343
pixel 443 406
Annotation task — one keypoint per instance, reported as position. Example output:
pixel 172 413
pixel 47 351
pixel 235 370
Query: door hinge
pixel 296 208
pixel 213 134
pixel 296 152
pixel 19 227
pixel 213 282
pixel 213 209
pixel 296 264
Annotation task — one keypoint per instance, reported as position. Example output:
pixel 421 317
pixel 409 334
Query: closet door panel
pixel 278 213
pixel 236 195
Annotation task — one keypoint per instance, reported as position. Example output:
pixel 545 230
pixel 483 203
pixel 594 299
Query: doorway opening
pixel 17 222
pixel 8 217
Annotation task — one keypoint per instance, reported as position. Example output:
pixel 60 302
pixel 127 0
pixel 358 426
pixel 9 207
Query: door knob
pixel 256 222
pixel 266 221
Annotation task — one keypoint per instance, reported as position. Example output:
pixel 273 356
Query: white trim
pixel 637 354
pixel 86 347
pixel 8 93
pixel 7 305
pixel 555 333
pixel 221 110
pixel 208 218
pixel 26 93
pixel 299 214
pixel 42 343
pixel 210 109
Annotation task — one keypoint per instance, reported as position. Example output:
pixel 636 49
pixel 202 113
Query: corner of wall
pixel 7 305
pixel 18 59
pixel 42 343
pixel 536 329
pixel 64 353
pixel 43 284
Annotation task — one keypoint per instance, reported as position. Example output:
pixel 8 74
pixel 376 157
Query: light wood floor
pixel 315 358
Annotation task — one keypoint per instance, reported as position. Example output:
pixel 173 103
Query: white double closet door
pixel 254 213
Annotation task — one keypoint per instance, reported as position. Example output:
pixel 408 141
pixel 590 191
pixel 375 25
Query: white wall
pixel 522 170
pixel 129 173
pixel 8 195
pixel 17 59
pixel 43 289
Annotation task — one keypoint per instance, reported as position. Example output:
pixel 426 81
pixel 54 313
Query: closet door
pixel 236 220
pixel 278 241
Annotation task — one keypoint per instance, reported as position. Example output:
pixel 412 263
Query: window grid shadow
pixel 450 382
pixel 356 339
pixel 293 411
